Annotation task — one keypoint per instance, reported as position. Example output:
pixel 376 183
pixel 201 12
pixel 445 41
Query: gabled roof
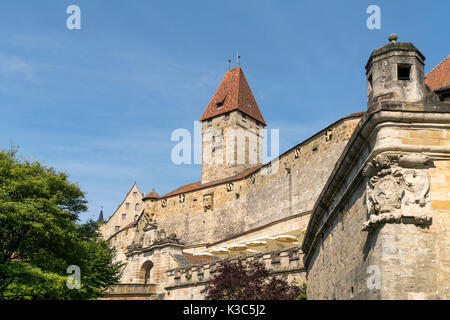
pixel 233 93
pixel 439 77
pixel 128 193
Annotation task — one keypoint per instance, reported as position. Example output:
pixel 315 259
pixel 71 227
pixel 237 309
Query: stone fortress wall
pixel 272 192
pixel 380 228
pixel 188 282
pixel 369 194
pixel 260 203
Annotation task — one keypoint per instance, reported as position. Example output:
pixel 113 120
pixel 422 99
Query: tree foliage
pixel 40 235
pixel 236 281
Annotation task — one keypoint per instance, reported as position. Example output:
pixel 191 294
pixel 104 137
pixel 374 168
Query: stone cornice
pixel 348 170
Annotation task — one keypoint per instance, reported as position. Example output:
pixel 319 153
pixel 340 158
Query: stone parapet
pixel 279 262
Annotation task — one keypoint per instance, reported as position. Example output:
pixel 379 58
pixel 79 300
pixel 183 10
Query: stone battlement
pixel 288 261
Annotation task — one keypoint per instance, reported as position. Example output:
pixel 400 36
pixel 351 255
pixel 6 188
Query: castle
pixel 360 210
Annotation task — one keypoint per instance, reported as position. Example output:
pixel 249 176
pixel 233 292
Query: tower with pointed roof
pixel 232 129
pixel 100 219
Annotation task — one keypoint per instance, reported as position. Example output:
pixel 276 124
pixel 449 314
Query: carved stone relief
pixel 150 235
pixel 398 190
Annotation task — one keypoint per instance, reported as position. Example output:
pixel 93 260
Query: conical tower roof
pixel 233 93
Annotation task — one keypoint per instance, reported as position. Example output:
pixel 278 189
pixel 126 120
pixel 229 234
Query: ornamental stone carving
pixel 397 190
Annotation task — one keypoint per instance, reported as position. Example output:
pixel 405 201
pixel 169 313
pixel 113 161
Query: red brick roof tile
pixel 152 195
pixel 199 185
pixel 132 224
pixel 439 76
pixel 196 260
pixel 233 93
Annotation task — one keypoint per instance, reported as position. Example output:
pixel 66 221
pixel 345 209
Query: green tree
pixel 40 235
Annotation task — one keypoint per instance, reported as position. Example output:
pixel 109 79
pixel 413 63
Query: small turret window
pixel 403 71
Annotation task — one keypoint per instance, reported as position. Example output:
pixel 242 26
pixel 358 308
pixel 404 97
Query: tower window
pixel 369 79
pixel 219 104
pixel 403 71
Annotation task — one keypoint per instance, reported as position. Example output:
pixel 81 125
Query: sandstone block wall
pixel 408 253
pixel 222 154
pixel 284 188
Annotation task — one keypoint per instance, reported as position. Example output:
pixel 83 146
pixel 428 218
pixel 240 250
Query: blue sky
pixel 101 103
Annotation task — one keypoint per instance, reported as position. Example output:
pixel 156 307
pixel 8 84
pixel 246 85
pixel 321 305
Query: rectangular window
pixel 127 205
pixel 134 194
pixel 124 216
pixel 403 71
pixel 117 228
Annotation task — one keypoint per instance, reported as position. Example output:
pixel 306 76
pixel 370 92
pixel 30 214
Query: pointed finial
pixel 238 59
pixel 393 37
pixel 229 64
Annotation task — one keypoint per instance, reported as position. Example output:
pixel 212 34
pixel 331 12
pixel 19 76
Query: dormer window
pixel 220 102
pixel 403 71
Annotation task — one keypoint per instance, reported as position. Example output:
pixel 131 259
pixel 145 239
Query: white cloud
pixel 15 66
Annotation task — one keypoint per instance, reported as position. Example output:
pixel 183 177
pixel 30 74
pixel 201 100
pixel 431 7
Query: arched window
pixel 145 272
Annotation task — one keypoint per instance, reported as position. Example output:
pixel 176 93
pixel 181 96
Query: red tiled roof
pixel 196 260
pixel 233 93
pixel 130 225
pixel 152 195
pixel 198 184
pixel 439 76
